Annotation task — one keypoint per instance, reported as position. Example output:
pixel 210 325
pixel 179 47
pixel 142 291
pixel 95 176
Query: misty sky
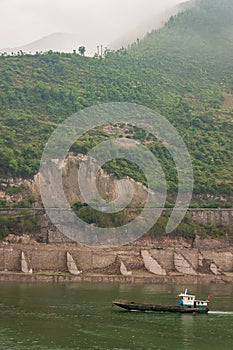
pixel 96 21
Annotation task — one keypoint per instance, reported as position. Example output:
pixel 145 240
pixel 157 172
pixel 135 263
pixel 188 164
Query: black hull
pixel 132 306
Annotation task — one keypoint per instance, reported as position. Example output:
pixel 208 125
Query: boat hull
pixel 133 306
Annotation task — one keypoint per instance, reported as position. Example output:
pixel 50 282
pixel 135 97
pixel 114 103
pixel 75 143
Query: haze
pixel 94 21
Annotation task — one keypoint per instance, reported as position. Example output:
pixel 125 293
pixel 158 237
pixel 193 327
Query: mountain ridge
pixel 58 41
pixel 67 42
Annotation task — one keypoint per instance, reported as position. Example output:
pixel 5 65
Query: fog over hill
pixel 65 25
pixel 64 42
pixel 155 21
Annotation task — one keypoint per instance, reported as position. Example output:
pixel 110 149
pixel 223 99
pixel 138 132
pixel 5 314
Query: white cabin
pixel 190 301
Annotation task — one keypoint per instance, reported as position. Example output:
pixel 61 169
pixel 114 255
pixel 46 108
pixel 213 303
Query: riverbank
pixel 98 278
pixel 128 264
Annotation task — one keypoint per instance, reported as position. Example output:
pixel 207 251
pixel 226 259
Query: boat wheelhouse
pixel 190 301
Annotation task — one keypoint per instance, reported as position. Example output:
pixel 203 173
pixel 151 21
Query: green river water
pixel 80 316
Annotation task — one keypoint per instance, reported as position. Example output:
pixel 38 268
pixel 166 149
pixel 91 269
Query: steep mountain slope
pixel 183 71
pixel 188 65
pixel 155 21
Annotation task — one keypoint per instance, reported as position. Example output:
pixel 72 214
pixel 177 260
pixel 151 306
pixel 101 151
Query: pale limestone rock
pixel 214 269
pixel 223 259
pixel 212 266
pixel 151 264
pixel 24 264
pixel 71 265
pixel 183 265
pixel 124 270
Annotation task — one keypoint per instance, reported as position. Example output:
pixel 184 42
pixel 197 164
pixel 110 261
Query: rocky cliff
pixel 108 186
pixel 19 194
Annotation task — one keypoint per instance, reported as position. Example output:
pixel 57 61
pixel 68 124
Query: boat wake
pixel 221 312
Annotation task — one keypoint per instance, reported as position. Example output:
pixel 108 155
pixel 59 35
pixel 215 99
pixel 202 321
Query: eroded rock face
pixel 108 186
pixel 214 269
pixel 206 265
pixel 24 263
pixel 12 191
pixel 152 264
pixel 183 265
pixel 124 270
pixel 72 266
pixel 222 260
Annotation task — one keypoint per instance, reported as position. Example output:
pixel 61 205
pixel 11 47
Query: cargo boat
pixel 187 304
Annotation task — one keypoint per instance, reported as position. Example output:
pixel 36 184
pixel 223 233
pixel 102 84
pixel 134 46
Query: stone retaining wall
pixel 43 257
pixel 217 217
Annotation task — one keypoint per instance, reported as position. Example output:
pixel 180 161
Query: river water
pixel 80 316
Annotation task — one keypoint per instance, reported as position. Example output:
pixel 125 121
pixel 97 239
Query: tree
pixel 82 50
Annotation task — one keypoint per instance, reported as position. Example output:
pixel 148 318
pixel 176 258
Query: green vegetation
pixel 92 216
pixel 23 222
pixel 188 229
pixel 183 71
pixel 3 204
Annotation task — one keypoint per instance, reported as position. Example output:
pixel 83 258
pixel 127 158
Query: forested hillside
pixel 183 71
